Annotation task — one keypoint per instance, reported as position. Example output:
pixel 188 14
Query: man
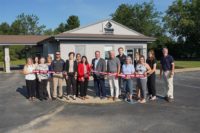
pixel 71 71
pixel 99 65
pixel 167 69
pixel 58 67
pixel 122 57
pixel 113 67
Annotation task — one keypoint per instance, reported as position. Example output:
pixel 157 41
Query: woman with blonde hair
pixel 127 69
pixel 136 60
pixel 30 78
pixel 143 69
pixel 50 78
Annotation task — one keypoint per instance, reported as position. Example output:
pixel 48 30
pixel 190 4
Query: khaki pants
pixel 50 87
pixel 57 82
pixel 169 87
pixel 114 85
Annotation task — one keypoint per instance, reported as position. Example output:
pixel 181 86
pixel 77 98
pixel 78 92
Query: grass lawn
pixel 184 64
pixel 178 64
pixel 15 63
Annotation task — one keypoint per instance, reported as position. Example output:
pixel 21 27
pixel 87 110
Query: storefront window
pixel 106 50
pixel 80 49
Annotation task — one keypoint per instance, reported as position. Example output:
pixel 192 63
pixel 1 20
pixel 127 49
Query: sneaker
pixel 67 98
pixel 128 100
pixel 74 97
pixel 153 98
pixel 142 101
pixel 170 99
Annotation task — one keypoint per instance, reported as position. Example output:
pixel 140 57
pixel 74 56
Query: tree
pixel 4 28
pixel 72 22
pixel 61 28
pixel 27 25
pixel 140 17
pixel 145 19
pixel 48 32
pixel 182 20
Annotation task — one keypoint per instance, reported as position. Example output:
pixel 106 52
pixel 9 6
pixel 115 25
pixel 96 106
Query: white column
pixel 144 51
pixel 6 59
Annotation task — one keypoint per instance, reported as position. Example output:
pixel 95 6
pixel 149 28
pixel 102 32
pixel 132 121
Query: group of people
pixel 44 77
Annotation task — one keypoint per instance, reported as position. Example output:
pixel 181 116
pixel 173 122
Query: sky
pixel 52 12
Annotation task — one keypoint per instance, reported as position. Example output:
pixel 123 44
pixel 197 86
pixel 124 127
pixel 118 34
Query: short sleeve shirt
pixel 151 63
pixel 58 65
pixel 128 69
pixel 113 64
pixel 166 62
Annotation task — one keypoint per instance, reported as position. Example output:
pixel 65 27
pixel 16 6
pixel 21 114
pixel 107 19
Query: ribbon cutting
pixel 102 73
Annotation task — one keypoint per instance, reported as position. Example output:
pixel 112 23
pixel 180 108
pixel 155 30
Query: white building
pixel 104 36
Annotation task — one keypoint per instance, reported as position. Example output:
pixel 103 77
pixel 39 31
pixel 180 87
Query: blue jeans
pixel 128 86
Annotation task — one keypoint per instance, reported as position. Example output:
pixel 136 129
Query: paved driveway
pixel 182 116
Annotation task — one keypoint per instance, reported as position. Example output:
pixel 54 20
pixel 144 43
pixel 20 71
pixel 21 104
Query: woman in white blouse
pixel 30 78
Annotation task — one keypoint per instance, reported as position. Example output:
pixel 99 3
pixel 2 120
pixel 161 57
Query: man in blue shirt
pixel 167 67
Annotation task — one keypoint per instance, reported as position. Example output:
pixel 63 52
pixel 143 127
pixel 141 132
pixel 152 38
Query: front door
pixel 131 51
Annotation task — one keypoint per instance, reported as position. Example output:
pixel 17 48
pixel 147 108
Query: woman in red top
pixel 83 76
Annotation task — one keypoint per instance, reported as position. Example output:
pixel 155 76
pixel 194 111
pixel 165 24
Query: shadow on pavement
pixel 22 90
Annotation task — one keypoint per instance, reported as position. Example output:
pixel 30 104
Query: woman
pixel 127 69
pixel 83 77
pixel 42 79
pixel 143 69
pixel 71 72
pixel 78 57
pixel 36 62
pixel 151 80
pixel 78 60
pixel 30 79
pixel 136 60
pixel 50 77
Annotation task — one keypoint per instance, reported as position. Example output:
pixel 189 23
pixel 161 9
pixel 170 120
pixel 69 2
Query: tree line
pixel 178 28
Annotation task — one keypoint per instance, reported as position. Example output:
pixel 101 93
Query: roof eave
pixel 106 39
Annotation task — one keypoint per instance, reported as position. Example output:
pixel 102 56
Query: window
pixel 106 50
pixel 80 49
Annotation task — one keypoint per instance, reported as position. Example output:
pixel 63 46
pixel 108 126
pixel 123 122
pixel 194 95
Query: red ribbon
pixel 121 75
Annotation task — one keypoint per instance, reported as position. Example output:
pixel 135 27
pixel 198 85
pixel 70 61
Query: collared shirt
pixel 166 63
pixel 58 65
pixel 71 65
pixel 128 69
pixel 112 65
pixel 96 62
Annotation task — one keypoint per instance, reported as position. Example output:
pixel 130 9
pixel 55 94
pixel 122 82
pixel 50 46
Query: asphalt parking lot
pixel 181 116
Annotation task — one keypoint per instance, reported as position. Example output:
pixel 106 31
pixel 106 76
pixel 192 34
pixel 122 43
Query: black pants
pixel 77 88
pixel 30 86
pixel 43 89
pixel 83 87
pixel 37 88
pixel 71 82
pixel 151 84
pixel 99 85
